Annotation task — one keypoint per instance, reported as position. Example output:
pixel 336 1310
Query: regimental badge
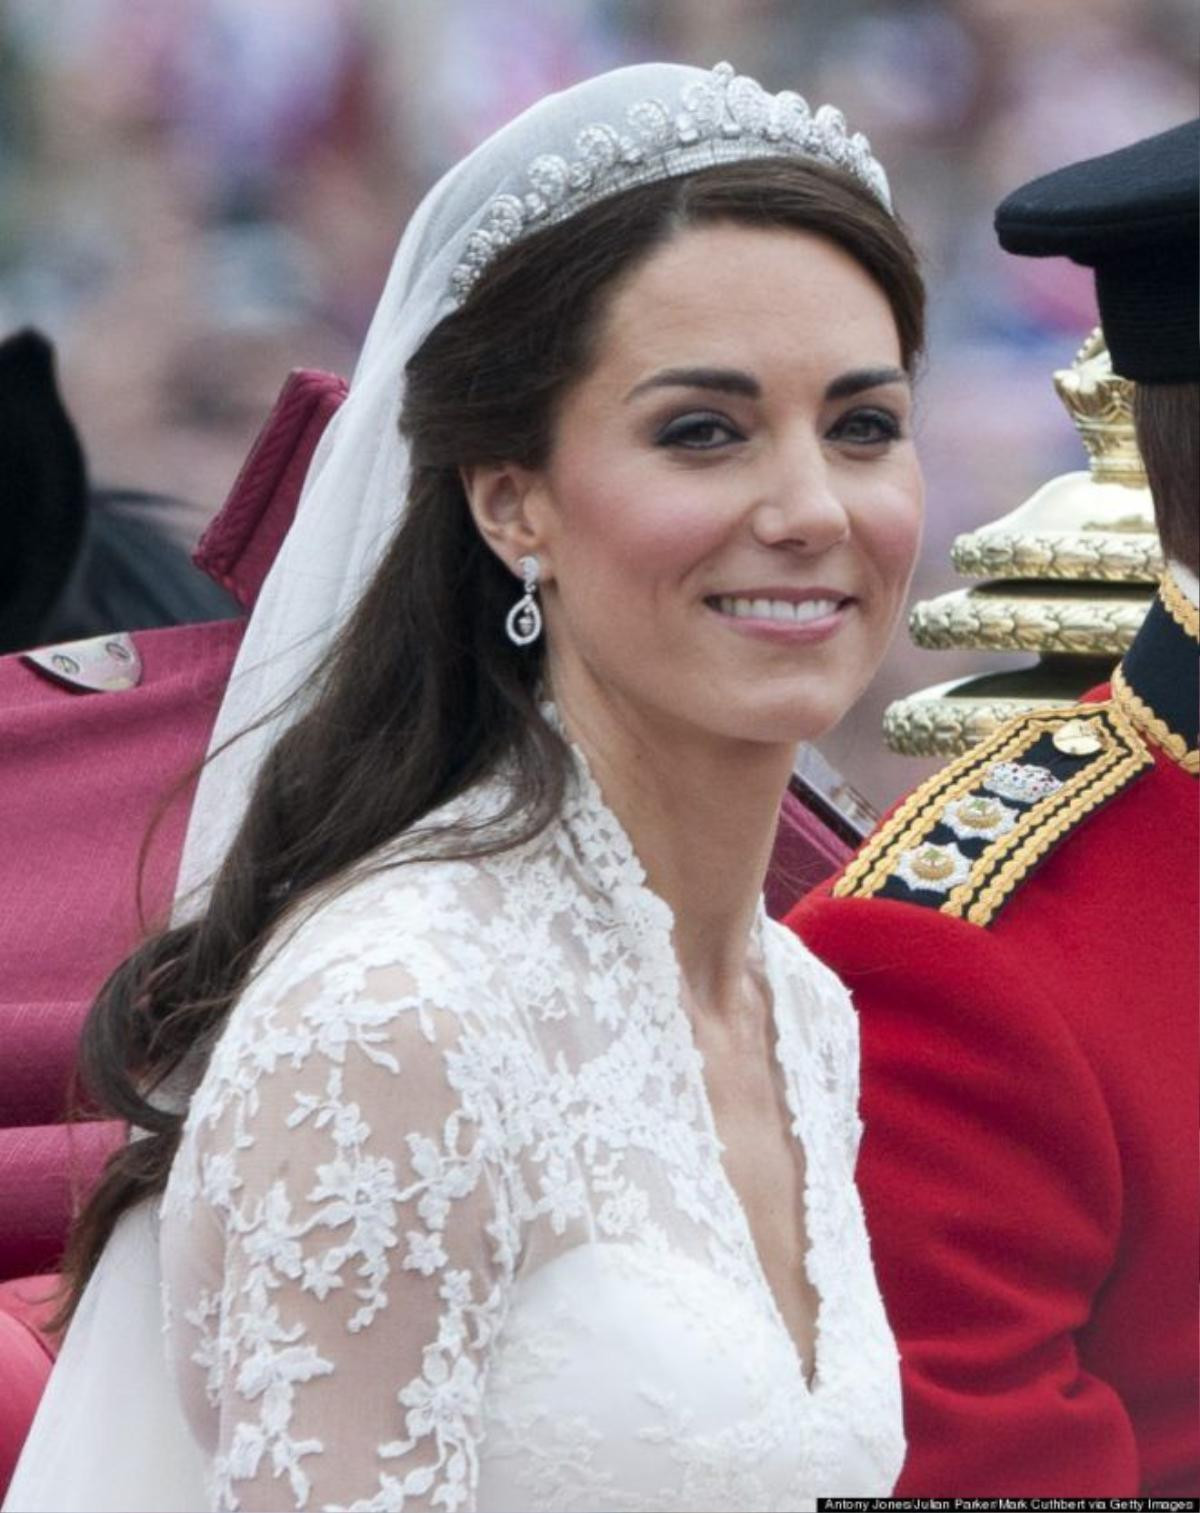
pixel 979 817
pixel 964 841
pixel 1021 781
pixel 937 868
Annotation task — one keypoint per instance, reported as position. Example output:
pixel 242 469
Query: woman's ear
pixel 508 509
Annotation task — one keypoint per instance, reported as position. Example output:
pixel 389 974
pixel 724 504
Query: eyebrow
pixel 734 381
pixel 727 380
pixel 864 378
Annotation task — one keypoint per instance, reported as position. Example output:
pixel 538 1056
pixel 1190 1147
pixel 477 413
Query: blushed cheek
pixel 643 528
pixel 894 538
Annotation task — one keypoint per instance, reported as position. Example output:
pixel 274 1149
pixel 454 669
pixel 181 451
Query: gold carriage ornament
pixel 1069 575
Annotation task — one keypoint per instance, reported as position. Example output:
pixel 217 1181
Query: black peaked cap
pixel 1133 216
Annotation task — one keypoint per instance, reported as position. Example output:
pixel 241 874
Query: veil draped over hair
pixel 110 1433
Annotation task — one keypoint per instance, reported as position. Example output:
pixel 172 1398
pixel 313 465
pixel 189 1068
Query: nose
pixel 798 501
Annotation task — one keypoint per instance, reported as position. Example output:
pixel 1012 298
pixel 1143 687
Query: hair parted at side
pixel 424 695
pixel 1167 421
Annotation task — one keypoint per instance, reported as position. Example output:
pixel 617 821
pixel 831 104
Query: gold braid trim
pixel 1025 846
pixel 1180 608
pixel 1000 869
pixel 923 808
pixel 919 813
pixel 1155 729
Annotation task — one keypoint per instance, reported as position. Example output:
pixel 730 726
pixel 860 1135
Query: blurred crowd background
pixel 197 195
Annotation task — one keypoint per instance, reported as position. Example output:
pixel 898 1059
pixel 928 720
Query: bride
pixel 495 1151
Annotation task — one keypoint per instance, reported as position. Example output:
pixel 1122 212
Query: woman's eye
pixel 867 428
pixel 697 433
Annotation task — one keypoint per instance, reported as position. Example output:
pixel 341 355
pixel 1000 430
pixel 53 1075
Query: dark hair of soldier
pixel 1167 421
pixel 423 695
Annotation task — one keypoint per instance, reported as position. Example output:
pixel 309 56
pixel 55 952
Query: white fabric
pixel 450 1226
pixel 109 1436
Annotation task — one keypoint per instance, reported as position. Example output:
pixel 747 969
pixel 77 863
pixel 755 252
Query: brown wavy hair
pixel 423 695
pixel 1167 421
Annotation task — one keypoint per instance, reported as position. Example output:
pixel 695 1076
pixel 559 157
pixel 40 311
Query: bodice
pixel 449 1225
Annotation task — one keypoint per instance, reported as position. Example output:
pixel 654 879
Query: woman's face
pixel 729 516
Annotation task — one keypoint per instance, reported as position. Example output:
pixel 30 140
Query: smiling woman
pixel 723 549
pixel 506 1148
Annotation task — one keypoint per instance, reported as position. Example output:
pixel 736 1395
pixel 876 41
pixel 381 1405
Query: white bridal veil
pixel 109 1433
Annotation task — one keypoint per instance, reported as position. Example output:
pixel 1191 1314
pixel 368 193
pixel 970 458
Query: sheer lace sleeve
pixel 339 1243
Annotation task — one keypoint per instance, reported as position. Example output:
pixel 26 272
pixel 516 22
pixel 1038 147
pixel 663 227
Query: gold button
pixel 1077 738
pixel 932 865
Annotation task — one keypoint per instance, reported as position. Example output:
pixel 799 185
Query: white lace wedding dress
pixel 449 1226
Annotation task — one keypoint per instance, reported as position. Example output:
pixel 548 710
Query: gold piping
pixel 1180 608
pixel 922 811
pixel 1010 857
pixel 1107 777
pixel 998 871
pixel 1156 729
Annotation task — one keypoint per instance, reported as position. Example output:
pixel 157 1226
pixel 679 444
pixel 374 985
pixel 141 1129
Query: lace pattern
pixel 449 1226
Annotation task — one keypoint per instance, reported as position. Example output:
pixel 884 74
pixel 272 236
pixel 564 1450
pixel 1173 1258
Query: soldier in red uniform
pixel 1021 940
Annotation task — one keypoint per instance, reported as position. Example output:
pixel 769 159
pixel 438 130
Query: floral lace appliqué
pixel 449 1229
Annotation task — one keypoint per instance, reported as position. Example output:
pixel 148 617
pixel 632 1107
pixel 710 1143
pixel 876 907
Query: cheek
pixel 637 523
pixel 890 531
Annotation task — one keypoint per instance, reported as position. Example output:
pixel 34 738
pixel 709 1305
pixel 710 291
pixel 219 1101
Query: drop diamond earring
pixel 524 623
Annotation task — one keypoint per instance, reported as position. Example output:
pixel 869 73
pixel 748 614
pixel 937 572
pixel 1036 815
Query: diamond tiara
pixel 725 117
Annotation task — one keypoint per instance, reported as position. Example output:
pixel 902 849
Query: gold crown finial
pixel 1100 402
pixel 1069 575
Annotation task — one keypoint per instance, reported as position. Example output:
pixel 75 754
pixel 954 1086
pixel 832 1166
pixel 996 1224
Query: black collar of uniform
pixel 1158 680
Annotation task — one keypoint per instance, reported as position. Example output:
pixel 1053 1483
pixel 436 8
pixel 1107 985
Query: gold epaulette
pixel 964 840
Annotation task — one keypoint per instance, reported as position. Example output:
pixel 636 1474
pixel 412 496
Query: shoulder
pixel 966 841
pixel 414 923
pixel 382 977
pixel 963 1029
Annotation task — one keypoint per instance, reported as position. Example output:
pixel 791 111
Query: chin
pixel 797 706
pixel 777 721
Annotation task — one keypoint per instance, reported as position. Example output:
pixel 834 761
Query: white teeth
pixel 777 609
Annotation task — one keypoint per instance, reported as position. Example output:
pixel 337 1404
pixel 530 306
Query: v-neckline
pixel 623 879
pixel 810 1373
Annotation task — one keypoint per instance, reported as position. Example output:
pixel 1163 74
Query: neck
pixel 701 814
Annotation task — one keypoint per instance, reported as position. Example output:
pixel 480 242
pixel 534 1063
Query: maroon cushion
pixel 38 1041
pixel 34 1300
pixel 240 545
pixel 83 776
pixel 25 1362
pixel 26 1356
pixel 45 1172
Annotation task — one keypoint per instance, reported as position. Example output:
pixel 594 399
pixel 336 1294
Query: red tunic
pixel 1029 1090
